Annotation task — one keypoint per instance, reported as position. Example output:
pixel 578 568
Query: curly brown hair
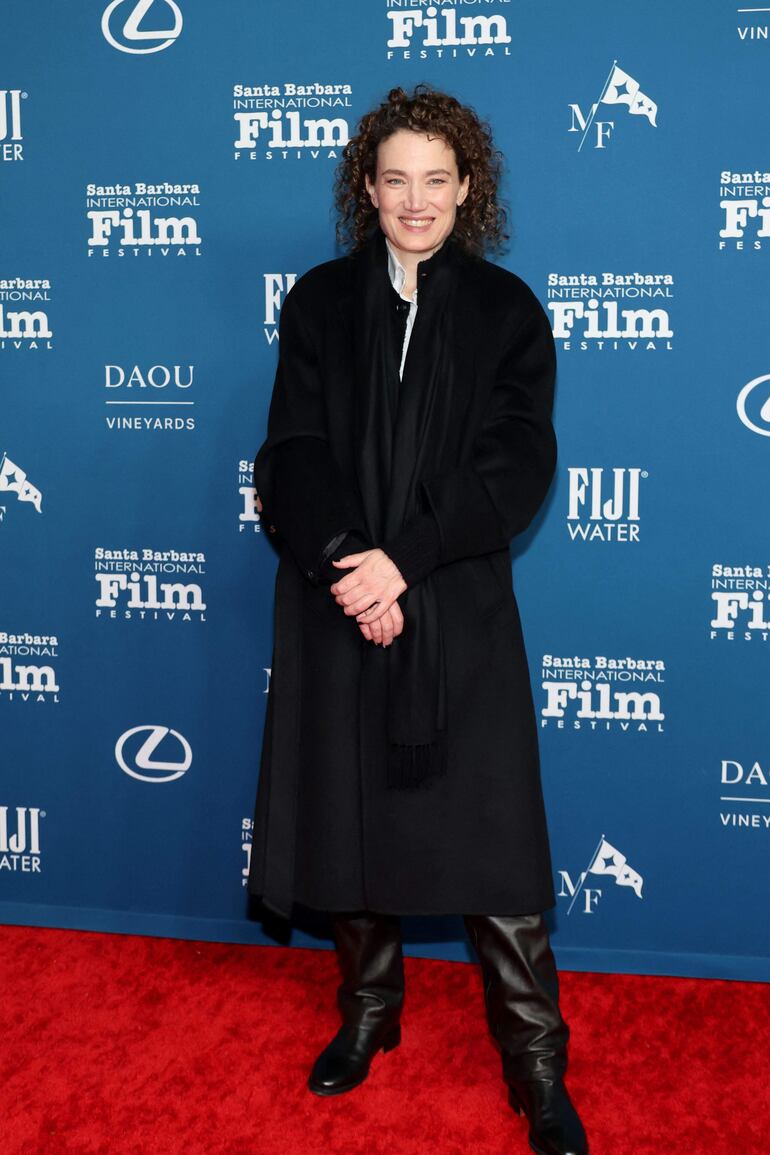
pixel 481 218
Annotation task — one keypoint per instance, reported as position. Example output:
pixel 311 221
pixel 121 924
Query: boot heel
pixel 392 1040
pixel 513 1099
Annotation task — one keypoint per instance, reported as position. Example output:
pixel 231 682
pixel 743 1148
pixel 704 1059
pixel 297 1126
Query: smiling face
pixel 416 191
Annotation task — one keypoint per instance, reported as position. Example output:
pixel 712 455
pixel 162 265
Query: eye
pixel 438 180
pixel 393 180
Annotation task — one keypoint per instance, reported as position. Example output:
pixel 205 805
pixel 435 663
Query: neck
pixel 410 261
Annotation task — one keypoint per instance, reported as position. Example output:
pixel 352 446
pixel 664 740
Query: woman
pixel 409 440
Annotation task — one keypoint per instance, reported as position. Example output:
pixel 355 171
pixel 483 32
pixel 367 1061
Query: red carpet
pixel 114 1044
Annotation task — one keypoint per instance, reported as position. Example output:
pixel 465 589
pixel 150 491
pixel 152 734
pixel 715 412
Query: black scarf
pixel 394 426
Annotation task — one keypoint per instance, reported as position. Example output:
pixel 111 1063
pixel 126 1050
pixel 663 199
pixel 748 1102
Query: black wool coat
pixel 328 833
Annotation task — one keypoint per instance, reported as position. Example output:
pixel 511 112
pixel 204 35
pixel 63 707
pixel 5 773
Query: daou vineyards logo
pixel 132 586
pixel 133 220
pixel 441 31
pixel 20 839
pixel 604 503
pixel 740 603
pixel 588 694
pixel 619 88
pixel 745 204
pixel 277 286
pixel 122 20
pixel 23 323
pixel 753 405
pixel 745 785
pixel 600 311
pixel 132 387
pixel 289 121
pixel 11 139
pixel 153 753
pixel 27 673
pixel 606 860
pixel 753 24
pixel 13 479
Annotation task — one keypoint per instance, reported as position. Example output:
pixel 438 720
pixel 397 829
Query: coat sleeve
pixel 299 483
pixel 481 506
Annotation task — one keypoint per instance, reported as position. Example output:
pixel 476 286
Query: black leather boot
pixel 370 998
pixel 521 992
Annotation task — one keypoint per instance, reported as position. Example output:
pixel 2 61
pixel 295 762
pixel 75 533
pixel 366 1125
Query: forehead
pixel 415 151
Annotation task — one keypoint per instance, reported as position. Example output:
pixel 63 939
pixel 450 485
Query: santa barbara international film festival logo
pixel 744 198
pixel 133 585
pixel 20 839
pixel 24 324
pixel 14 481
pixel 148 389
pixel 290 121
pixel 249 517
pixel 753 405
pixel 443 31
pixel 745 786
pixel 601 693
pixel 153 753
pixel 603 504
pixel 11 139
pixel 608 311
pixel 605 860
pixel 740 603
pixel 141 26
pixel 27 672
pixel 619 88
pixel 133 220
pixel 247 837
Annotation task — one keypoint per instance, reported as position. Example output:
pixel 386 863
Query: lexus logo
pixel 134 758
pixel 754 405
pixel 127 37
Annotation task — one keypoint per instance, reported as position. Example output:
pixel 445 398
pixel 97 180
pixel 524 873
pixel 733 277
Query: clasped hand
pixel 376 579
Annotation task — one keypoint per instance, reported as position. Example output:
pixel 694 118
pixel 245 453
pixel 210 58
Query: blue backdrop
pixel 166 173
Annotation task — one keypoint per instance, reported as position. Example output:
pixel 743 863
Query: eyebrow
pixel 431 172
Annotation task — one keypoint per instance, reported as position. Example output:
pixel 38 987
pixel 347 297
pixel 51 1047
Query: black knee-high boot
pixel 521 992
pixel 369 998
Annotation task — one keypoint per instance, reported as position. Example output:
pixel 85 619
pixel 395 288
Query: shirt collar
pixel 397 272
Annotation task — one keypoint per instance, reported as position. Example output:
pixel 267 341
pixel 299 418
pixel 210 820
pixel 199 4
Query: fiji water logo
pixel 619 88
pixel 606 860
pixel 20 839
pixel 11 143
pixel 121 26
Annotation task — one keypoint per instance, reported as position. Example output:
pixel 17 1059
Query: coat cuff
pixel 340 545
pixel 416 549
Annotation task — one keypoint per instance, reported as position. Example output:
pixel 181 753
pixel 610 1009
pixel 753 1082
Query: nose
pixel 414 199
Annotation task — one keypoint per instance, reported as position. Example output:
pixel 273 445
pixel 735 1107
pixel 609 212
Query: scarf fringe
pixel 412 767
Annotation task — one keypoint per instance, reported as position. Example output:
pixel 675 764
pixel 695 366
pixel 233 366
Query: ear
pixel 371 190
pixel 463 190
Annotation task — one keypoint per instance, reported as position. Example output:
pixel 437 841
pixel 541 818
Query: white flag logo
pixel 15 479
pixel 623 89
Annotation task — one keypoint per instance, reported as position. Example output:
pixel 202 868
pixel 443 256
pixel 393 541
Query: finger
pixel 349 559
pixel 387 629
pixel 376 628
pixel 366 630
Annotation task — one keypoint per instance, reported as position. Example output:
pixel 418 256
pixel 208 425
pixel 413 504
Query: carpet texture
pixel 117 1044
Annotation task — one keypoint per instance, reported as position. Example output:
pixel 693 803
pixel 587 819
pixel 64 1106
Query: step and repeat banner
pixel 166 171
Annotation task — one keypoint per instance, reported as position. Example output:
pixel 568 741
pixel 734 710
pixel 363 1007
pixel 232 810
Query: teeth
pixel 418 223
